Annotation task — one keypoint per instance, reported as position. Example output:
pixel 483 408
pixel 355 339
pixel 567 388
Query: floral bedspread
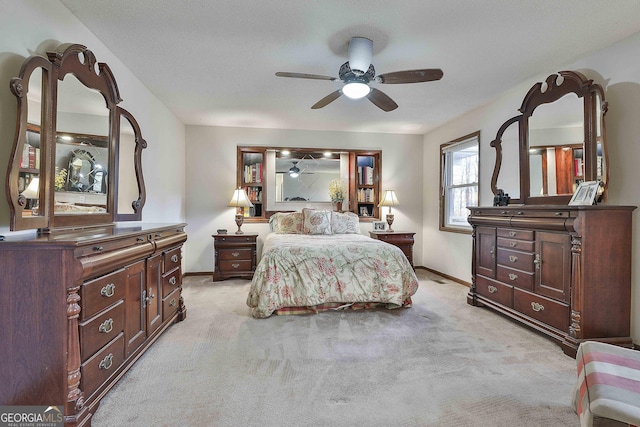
pixel 299 270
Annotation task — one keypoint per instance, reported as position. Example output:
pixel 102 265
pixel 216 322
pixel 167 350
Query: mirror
pixel 560 138
pixel 305 177
pixel 67 112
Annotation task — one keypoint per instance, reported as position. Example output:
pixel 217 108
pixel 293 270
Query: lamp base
pixel 390 221
pixel 239 221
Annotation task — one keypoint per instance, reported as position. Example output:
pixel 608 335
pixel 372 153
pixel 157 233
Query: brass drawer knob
pixel 513 244
pixel 235 254
pixel 172 302
pixel 106 326
pixel 235 265
pixel 513 276
pixel 492 289
pixel 513 258
pixel 173 280
pixel 106 362
pixel 174 258
pixel 512 234
pixel 108 290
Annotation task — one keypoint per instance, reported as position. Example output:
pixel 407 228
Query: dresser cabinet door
pixel 486 251
pixel 553 265
pixel 153 296
pixel 135 331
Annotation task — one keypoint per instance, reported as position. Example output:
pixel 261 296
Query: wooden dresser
pixel 80 307
pixel 562 270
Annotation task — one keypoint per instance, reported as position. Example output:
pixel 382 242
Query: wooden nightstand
pixel 401 239
pixel 234 256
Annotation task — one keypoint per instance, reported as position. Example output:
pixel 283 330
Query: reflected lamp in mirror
pixel 389 199
pixel 31 194
pixel 240 201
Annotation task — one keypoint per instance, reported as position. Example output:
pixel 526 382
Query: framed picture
pixel 364 211
pixel 585 193
pixel 379 225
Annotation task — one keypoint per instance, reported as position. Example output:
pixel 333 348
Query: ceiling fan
pixel 358 72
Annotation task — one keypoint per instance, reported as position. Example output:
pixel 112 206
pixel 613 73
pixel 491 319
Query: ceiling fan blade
pixel 327 100
pixel 305 76
pixel 381 100
pixel 411 76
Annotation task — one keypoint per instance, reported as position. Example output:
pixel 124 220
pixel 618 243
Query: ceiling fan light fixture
pixel 294 171
pixel 356 90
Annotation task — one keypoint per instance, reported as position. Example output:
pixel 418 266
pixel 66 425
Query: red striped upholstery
pixel 608 384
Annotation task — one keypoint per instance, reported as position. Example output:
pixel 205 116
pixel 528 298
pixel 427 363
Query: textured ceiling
pixel 212 62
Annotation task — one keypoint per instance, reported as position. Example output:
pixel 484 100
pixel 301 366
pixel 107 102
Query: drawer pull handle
pixel 492 289
pixel 172 281
pixel 513 258
pixel 172 302
pixel 106 326
pixel 558 213
pixel 174 258
pixel 98 248
pixel 106 362
pixel 139 239
pixel 513 276
pixel 512 234
pixel 235 265
pixel 108 290
pixel 513 244
pixel 536 306
pixel 504 212
pixel 519 213
pixel 157 236
pixel 235 254
pixel 150 297
pixel 493 252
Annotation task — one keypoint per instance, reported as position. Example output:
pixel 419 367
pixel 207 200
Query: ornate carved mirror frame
pixel 594 164
pixel 37 91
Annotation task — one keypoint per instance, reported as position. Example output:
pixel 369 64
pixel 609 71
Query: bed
pixel 310 265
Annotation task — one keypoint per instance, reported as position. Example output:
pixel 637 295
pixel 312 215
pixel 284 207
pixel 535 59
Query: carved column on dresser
pixel 75 397
pixel 575 328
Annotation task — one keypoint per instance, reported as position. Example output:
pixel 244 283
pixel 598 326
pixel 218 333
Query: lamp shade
pixel 240 199
pixel 389 199
pixel 33 189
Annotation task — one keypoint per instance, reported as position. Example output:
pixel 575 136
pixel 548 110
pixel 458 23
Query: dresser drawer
pixel 171 281
pixel 108 246
pixel 230 266
pixel 170 305
pixel 230 240
pixel 548 311
pixel 498 292
pixel 515 259
pixel 96 370
pixel 100 293
pixel 518 278
pixel 514 233
pixel 171 259
pixel 235 254
pixel 520 245
pixel 100 329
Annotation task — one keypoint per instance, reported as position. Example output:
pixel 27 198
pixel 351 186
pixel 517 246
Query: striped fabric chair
pixel 607 392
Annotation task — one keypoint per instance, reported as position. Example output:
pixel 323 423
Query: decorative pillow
pixel 316 221
pixel 289 223
pixel 345 223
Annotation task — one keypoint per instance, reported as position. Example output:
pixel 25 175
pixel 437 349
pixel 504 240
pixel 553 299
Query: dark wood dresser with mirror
pixel 91 287
pixel 561 269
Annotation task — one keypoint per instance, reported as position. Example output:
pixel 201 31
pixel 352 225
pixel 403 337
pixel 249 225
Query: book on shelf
pixel 365 175
pixel 253 173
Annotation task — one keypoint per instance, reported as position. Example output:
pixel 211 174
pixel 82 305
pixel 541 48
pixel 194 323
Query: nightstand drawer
pixel 230 266
pixel 235 254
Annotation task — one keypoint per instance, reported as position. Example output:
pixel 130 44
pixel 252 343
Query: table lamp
pixel 239 200
pixel 389 199
pixel 32 193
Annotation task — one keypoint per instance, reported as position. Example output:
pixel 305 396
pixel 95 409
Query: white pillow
pixel 316 221
pixel 345 223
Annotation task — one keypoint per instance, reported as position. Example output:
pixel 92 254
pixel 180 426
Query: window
pixel 459 172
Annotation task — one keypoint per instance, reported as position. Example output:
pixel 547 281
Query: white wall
pixel 617 68
pixel 211 178
pixel 30 27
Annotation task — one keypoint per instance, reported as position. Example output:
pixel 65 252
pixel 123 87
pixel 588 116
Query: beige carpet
pixel 439 363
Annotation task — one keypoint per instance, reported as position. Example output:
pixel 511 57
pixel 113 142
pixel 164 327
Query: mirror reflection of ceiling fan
pixel 358 72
